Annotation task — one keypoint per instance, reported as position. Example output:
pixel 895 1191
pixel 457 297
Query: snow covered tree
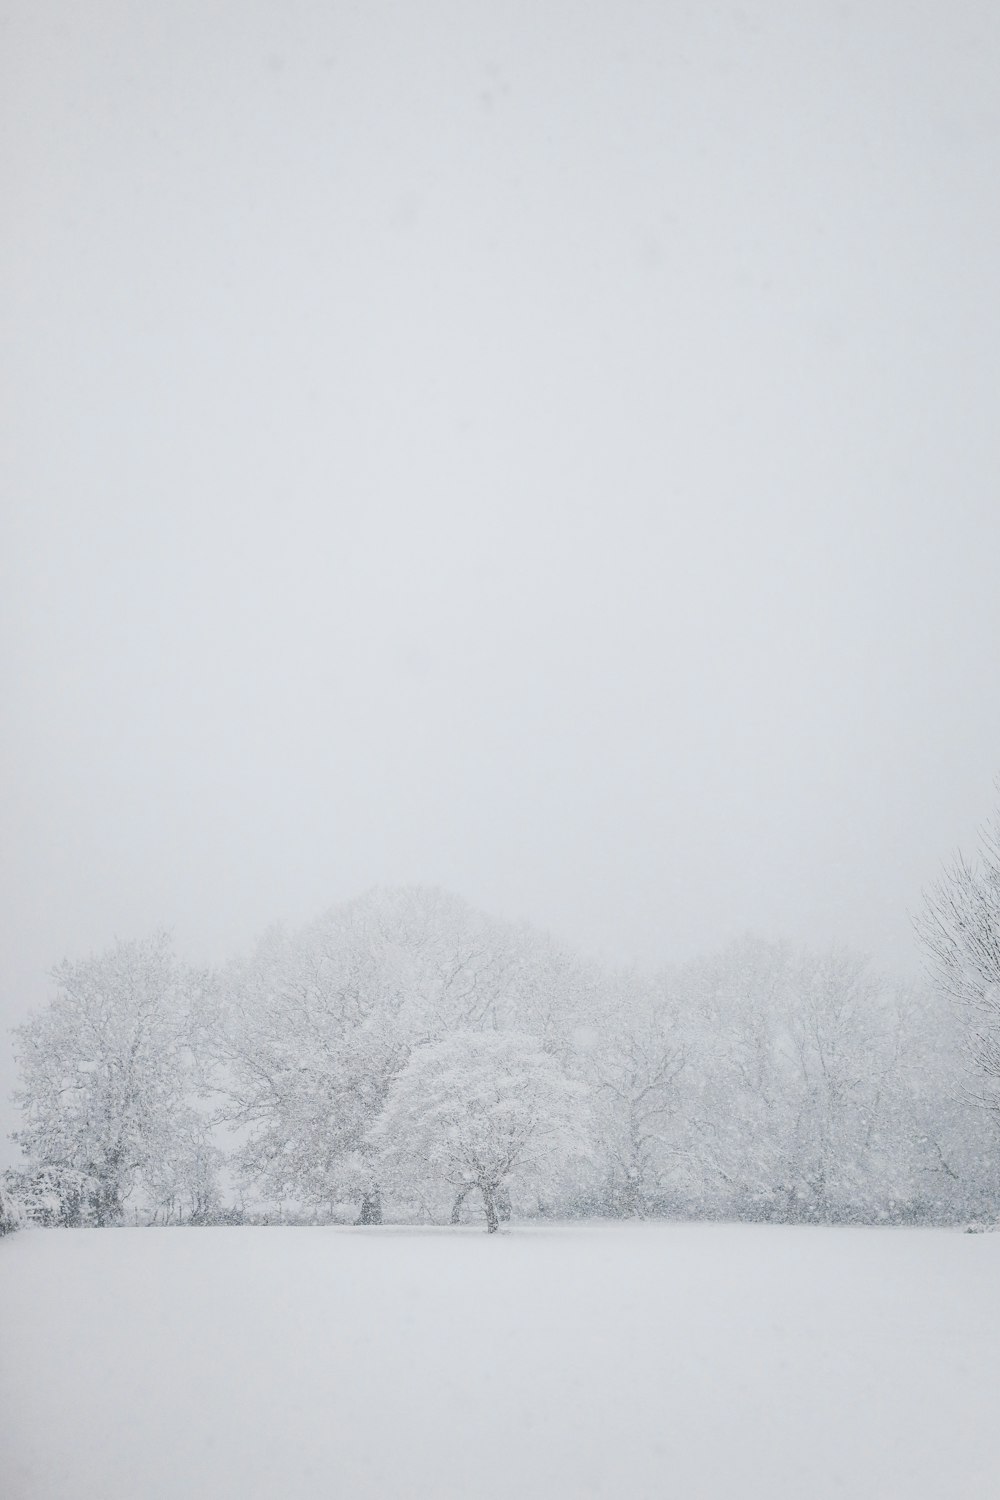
pixel 842 1037
pixel 481 1109
pixel 182 1185
pixel 305 1038
pixel 308 1035
pixel 800 1104
pixel 634 1073
pixel 105 1073
pixel 959 928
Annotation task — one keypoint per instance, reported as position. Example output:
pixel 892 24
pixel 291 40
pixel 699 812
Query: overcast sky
pixel 548 450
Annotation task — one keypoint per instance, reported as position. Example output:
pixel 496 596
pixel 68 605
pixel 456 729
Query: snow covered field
pixel 655 1360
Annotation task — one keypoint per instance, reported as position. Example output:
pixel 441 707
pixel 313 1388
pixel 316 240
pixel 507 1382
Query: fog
pixel 546 451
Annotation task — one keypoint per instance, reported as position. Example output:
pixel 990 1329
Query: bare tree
pixel 959 929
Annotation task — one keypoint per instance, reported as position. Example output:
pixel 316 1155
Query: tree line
pixel 410 1058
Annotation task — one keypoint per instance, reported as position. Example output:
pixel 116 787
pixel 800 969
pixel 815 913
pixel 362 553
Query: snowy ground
pixel 687 1361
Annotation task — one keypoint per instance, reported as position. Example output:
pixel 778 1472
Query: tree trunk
pixel 107 1204
pixel 371 1208
pixel 456 1207
pixel 490 1206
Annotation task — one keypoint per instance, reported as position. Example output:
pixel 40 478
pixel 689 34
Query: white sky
pixel 547 450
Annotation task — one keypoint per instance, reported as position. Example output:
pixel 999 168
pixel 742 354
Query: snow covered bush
pixel 55 1196
pixel 12 1214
